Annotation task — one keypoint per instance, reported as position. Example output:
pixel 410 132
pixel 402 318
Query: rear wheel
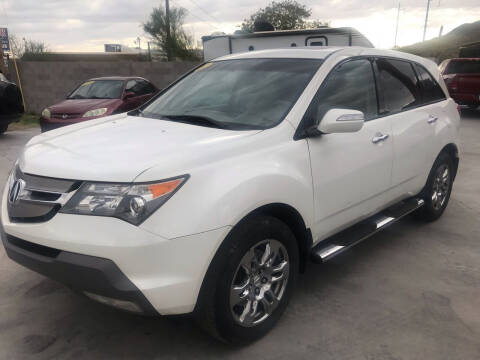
pixel 249 283
pixel 438 189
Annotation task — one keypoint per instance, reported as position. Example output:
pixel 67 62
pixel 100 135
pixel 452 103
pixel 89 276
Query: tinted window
pixel 242 93
pixel 399 86
pixel 349 86
pixel 463 67
pixel 98 89
pixel 140 87
pixel 431 91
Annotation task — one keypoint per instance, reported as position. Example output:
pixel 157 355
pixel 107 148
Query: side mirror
pixel 129 95
pixel 341 121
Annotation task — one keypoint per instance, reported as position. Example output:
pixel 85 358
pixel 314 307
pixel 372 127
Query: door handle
pixel 379 137
pixel 432 119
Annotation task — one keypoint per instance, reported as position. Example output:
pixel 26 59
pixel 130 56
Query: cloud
pixel 85 25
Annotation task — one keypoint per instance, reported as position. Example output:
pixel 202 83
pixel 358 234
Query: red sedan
pixel 97 98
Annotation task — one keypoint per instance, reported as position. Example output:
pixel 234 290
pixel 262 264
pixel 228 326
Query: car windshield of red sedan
pixel 98 89
pixel 464 67
pixel 236 94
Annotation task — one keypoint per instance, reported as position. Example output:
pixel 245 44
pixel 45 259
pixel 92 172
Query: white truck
pixel 220 45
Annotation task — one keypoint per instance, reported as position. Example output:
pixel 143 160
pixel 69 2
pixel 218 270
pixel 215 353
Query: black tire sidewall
pixel 428 211
pixel 246 235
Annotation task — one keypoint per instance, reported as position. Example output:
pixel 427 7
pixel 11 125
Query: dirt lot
pixel 410 292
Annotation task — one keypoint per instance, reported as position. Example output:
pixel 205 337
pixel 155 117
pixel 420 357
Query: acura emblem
pixel 16 190
pixel 64 116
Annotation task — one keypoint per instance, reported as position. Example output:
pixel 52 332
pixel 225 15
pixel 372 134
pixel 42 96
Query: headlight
pixel 131 202
pixel 46 114
pixel 96 112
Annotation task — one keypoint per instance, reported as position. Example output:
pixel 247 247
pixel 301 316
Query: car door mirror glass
pixel 341 121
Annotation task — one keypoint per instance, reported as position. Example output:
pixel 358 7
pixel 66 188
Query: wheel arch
pixel 452 150
pixel 285 213
pixel 294 220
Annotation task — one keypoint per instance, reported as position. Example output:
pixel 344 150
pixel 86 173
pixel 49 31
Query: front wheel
pixel 3 128
pixel 438 189
pixel 250 281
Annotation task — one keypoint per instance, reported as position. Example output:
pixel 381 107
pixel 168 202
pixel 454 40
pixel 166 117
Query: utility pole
pixel 441 31
pixel 426 20
pixel 139 47
pixel 396 29
pixel 167 23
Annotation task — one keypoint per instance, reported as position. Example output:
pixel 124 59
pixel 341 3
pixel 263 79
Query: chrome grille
pixel 64 116
pixel 35 198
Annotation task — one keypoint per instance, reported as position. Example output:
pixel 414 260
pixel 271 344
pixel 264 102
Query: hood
pixel 81 106
pixel 119 148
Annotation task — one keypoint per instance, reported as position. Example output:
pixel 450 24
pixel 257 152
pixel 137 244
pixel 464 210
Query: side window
pixel 431 91
pixel 131 86
pixel 350 86
pixel 140 87
pixel 149 88
pixel 398 85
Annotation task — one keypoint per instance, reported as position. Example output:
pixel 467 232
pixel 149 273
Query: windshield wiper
pixel 196 119
pixel 76 97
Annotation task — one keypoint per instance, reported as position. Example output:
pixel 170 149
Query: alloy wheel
pixel 259 282
pixel 441 187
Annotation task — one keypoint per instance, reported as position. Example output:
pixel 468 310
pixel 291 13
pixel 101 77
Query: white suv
pixel 211 198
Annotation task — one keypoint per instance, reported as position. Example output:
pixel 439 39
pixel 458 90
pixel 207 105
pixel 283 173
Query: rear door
pixel 412 127
pixel 350 171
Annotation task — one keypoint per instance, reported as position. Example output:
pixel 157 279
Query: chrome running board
pixel 338 243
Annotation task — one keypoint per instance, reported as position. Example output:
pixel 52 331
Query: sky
pixel 85 25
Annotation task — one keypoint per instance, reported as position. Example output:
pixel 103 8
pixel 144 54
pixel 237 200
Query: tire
pixel 220 308
pixel 436 193
pixel 3 128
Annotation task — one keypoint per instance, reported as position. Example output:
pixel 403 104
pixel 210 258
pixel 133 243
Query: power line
pixel 199 18
pixel 205 11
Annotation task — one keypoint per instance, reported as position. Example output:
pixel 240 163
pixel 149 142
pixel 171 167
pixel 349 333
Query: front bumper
pixel 88 274
pixel 132 264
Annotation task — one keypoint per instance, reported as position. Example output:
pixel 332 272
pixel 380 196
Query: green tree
pixel 180 44
pixel 283 15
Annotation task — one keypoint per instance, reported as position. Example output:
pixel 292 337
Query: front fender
pixel 222 193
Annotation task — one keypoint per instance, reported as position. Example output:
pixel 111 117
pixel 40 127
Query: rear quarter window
pixel 431 90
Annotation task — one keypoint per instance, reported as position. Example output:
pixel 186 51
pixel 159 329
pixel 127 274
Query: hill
pixel 446 46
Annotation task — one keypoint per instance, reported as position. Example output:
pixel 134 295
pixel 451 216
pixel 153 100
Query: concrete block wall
pixel 46 83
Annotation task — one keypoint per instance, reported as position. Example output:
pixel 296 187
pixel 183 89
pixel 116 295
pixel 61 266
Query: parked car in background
pixel 98 98
pixel 11 106
pixel 213 197
pixel 462 77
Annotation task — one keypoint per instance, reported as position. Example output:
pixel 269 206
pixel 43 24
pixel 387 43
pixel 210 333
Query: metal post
pixel 167 23
pixel 426 20
pixel 396 29
pixel 149 51
pixel 18 76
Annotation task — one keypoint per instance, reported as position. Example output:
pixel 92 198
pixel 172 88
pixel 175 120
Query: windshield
pixel 464 67
pixel 239 94
pixel 99 89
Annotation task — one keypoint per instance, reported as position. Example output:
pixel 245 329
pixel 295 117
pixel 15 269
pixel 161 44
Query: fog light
pixel 120 304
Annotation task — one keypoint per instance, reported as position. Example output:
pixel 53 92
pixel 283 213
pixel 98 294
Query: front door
pixel 351 171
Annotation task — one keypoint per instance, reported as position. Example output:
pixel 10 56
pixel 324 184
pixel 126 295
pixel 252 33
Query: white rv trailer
pixel 219 45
